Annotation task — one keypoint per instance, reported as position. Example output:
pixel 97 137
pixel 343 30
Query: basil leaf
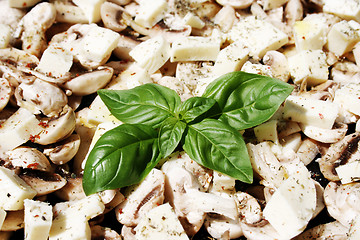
pixel 121 157
pixel 198 108
pixel 217 146
pixel 170 134
pixel 246 99
pixel 149 104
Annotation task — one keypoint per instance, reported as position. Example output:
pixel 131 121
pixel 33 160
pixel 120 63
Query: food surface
pixel 179 119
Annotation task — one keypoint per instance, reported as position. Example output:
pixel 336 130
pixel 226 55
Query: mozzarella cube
pixel 342 37
pixel 267 132
pixel 38 219
pixel 160 223
pixel 271 4
pixel 346 9
pixel 91 8
pixel 151 54
pixel 293 141
pixel 309 35
pixel 231 58
pixel 311 112
pixel 193 21
pixel 5 34
pixel 99 113
pixel 99 43
pixel 55 61
pixel 348 97
pixel 349 172
pixel 293 204
pixel 150 12
pixel 2 216
pixel 257 68
pixel 309 65
pixel 22 3
pixel 259 35
pixel 13 191
pixel 194 49
pixel 17 129
pixel 222 182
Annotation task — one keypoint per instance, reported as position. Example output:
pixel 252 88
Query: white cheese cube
pixel 346 9
pixel 310 65
pixel 99 43
pixel 160 223
pixel 70 227
pixel 194 49
pixel 292 141
pixel 309 35
pixel 5 34
pixel 55 61
pixel 267 132
pixel 342 37
pixel 222 182
pixel 91 9
pixel 349 172
pixel 193 21
pixel 2 216
pixel 17 129
pixel 311 112
pixel 22 3
pixel 348 97
pixel 99 113
pixel 257 68
pixel 271 4
pixel 13 190
pixel 151 54
pixel 231 58
pixel 292 205
pixel 150 12
pixel 259 35
pixel 38 219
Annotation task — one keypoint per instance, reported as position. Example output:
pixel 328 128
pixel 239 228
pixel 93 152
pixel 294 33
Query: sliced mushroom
pixel 68 12
pixel 105 233
pixel 63 151
pixel 293 11
pixel 14 221
pixel 10 15
pixel 225 18
pixel 307 151
pixel 124 46
pixel 72 191
pixel 237 4
pixel 331 230
pixel 278 64
pixel 27 157
pixel 220 227
pixel 338 154
pixel 43 182
pixel 325 135
pixel 5 93
pixel 89 82
pixel 141 198
pixel 34 25
pixel 115 201
pixel 111 16
pixel 41 97
pixel 128 233
pixel 57 128
pixel 16 57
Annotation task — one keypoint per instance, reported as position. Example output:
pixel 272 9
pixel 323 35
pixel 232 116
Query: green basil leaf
pixel 217 146
pixel 121 157
pixel 198 108
pixel 148 104
pixel 170 135
pixel 246 99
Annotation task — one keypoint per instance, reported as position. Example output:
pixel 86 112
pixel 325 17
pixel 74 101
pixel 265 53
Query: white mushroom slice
pixel 220 227
pixel 115 201
pixel 338 154
pixel 111 16
pixel 141 198
pixel 331 230
pixel 22 3
pixel 17 58
pixel 72 191
pixel 5 93
pixel 43 182
pixel 10 16
pixel 237 4
pixel 67 12
pixel 342 201
pixel 263 231
pixel 307 151
pixel 41 97
pixel 128 233
pixel 124 46
pixel 249 209
pixel 90 82
pixel 105 233
pixel 34 25
pixel 324 135
pixel 57 128
pixel 294 11
pixel 278 64
pixel 27 157
pixel 225 18
pixel 14 221
pixel 63 151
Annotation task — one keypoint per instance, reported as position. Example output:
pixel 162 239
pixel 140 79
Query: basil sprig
pixel 156 122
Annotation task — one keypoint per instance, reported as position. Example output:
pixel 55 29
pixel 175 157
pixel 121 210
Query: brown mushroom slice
pixel 111 16
pixel 338 154
pixel 105 233
pixel 72 191
pixel 14 221
pixel 41 97
pixel 5 235
pixel 27 157
pixel 5 93
pixel 89 82
pixel 57 128
pixel 43 182
pixel 63 151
